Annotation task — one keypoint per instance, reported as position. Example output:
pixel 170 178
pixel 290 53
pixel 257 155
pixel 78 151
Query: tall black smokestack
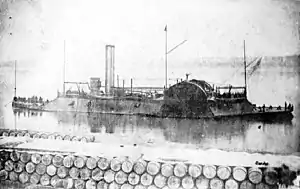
pixel 109 68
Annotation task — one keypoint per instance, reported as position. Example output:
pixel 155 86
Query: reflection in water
pixel 232 134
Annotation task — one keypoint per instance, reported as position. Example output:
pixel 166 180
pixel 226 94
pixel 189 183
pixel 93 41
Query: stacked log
pixel 69 171
pixel 167 170
pixel 255 175
pixel 44 135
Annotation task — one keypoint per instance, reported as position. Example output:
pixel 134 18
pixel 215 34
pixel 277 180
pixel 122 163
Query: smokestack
pixel 109 68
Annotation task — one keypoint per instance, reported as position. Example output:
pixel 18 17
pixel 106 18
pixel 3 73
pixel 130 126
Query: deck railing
pixel 263 108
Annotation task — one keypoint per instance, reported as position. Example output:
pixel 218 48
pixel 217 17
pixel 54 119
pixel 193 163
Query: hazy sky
pixel 136 27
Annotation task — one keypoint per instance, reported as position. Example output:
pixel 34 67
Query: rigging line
pixel 241 68
pixel 75 115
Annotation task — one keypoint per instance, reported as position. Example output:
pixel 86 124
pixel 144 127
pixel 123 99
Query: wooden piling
pixel 30 167
pixel 115 164
pixel 255 175
pixel 74 138
pixel 19 167
pixel 83 139
pixel 271 176
pixel 4 155
pixel 262 186
pixel 15 156
pixel 9 165
pixel 173 182
pixel 5 133
pixel 202 182
pixel 153 168
pixel 187 182
pixel 56 182
pixel 21 134
pixel 97 174
pixel 133 178
pixel 51 136
pixel 223 172
pixel 46 159
pixel 140 167
pixel 51 170
pixel 40 169
pixel 34 178
pixel 180 170
pixel 67 137
pixel 139 186
pixel 102 185
pixel 85 173
pixel 79 162
pixel 79 184
pixel 36 158
pixel 24 177
pixel 68 183
pixel 27 135
pixel 114 185
pixel 160 181
pixel 58 137
pixel 90 184
pixel 62 172
pixel 216 183
pixel 209 171
pixel 13 176
pixel 247 185
pixel 68 161
pixel 74 172
pixel 58 160
pixel 195 170
pixel 36 136
pixel 231 184
pixel 152 187
pixel 109 176
pixel 146 179
pixel 25 157
pixel 91 163
pixel 103 163
pixel 44 136
pixel 3 174
pixel 121 177
pixel 239 173
pixel 127 165
pixel 126 186
pixel 12 133
pixel 45 180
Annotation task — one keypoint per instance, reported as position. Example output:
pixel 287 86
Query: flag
pixel 166 28
pixel 256 66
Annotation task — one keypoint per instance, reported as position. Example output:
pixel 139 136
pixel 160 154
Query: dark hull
pixel 267 117
pixel 151 109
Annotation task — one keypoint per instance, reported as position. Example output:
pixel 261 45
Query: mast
pixel 15 78
pixel 64 74
pixel 245 71
pixel 166 60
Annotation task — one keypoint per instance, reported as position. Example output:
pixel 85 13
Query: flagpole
pixel 15 78
pixel 64 74
pixel 166 60
pixel 245 66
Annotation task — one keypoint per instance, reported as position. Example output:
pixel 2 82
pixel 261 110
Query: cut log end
pixel 180 170
pixel 47 159
pixel 239 173
pixel 173 182
pixel 216 183
pixel 153 168
pixel 209 171
pixel 146 179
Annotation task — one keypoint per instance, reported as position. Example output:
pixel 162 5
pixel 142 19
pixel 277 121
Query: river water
pixel 272 85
